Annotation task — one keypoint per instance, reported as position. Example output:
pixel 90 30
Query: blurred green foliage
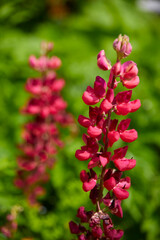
pixel 91 26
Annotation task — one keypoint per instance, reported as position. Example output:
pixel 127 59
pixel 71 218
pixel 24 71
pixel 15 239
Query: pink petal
pixel 120 153
pixel 110 95
pixel 94 112
pixel 123 109
pixel 58 85
pixel 33 61
pixel 45 111
pixel 113 124
pixel 114 234
pixel 129 135
pixel 135 105
pixel 102 62
pixel 89 97
pixel 84 176
pixel 124 164
pixel 94 131
pixel 42 63
pixel 82 155
pixel 100 87
pixel 103 160
pixel 123 97
pixel 84 121
pixel 123 125
pixel 27 164
pixel 93 163
pixel 93 174
pixel 92 145
pixel 129 70
pixel 106 105
pixel 97 232
pixel 34 85
pixel 117 210
pixel 110 183
pixel 74 228
pixel 82 214
pixel 120 193
pixel 131 83
pixel 33 106
pixel 113 137
pixel 54 62
pixel 60 104
pixel 124 183
pixel 87 186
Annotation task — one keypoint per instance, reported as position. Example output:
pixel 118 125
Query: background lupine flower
pixel 10 228
pixel 41 135
pixel 102 133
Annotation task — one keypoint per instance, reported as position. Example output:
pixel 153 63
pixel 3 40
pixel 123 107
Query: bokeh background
pixel 79 29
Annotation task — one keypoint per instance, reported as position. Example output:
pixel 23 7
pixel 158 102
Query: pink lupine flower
pixel 106 104
pixel 118 186
pixel 129 70
pixel 102 132
pixel 114 205
pixel 94 131
pixel 100 86
pixel 89 180
pixel 41 135
pixel 99 160
pixel 33 61
pixel 34 85
pixel 123 104
pixel 124 164
pixel 82 214
pixel 93 95
pixel 89 96
pixel 74 228
pixel 112 234
pixel 126 135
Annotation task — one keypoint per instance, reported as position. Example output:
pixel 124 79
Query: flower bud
pixel 46 47
pixel 102 62
pixel 122 46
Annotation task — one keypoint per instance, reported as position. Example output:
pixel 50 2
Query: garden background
pixel 79 29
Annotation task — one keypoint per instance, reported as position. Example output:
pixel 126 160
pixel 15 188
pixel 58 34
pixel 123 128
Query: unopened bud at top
pixel 102 62
pixel 122 46
pixel 46 47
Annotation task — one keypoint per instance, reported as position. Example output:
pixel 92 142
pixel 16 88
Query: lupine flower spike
pixel 41 135
pixel 10 228
pixel 102 133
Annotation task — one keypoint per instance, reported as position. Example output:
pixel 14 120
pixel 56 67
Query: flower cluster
pixel 102 133
pixel 41 135
pixel 10 227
